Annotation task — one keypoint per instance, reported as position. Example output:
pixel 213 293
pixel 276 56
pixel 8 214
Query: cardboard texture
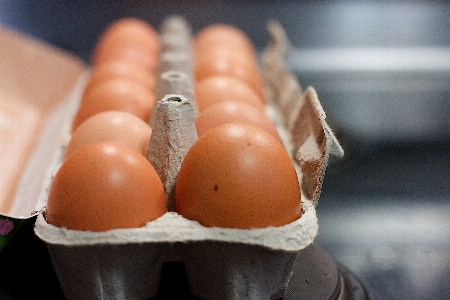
pixel 176 65
pixel 221 263
pixel 174 128
pixel 310 138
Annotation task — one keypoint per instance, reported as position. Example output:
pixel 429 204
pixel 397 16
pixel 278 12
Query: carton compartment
pixel 220 263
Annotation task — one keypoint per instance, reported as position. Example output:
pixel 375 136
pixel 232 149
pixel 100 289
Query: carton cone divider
pixel 173 134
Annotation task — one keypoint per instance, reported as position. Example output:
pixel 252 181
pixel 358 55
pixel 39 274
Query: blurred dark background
pixel 382 73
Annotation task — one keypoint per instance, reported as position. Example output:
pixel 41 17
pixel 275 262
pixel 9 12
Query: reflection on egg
pixel 103 186
pixel 116 94
pixel 227 63
pixel 121 69
pixel 219 88
pixel 130 55
pixel 126 33
pixel 233 111
pixel 223 35
pixel 238 176
pixel 115 126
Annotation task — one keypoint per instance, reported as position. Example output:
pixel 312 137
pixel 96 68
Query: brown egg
pixel 103 186
pixel 238 176
pixel 121 69
pixel 118 126
pixel 223 36
pixel 116 94
pixel 131 55
pixel 233 111
pixel 220 62
pixel 127 33
pixel 219 88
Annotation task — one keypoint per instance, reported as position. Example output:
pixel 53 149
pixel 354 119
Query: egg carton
pixel 220 263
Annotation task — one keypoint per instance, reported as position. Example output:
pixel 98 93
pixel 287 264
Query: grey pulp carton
pixel 220 263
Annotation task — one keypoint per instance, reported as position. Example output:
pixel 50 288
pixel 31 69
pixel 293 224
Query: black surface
pixel 174 282
pixel 26 271
pixel 354 288
pixel 315 276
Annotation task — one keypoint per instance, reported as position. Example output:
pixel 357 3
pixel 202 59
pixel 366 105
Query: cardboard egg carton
pixel 220 263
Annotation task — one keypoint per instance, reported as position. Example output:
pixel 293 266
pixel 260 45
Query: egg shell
pixel 105 185
pixel 136 256
pixel 237 175
pixel 219 88
pixel 126 33
pixel 122 69
pixel 223 35
pixel 119 126
pixel 220 62
pixel 116 94
pixel 232 111
pixel 132 55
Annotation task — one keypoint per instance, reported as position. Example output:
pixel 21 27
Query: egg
pixel 121 69
pixel 223 35
pixel 127 33
pixel 116 94
pixel 219 88
pixel 233 111
pixel 117 126
pixel 132 55
pixel 103 186
pixel 227 63
pixel 238 176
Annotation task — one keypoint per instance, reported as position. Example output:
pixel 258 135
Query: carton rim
pixel 172 228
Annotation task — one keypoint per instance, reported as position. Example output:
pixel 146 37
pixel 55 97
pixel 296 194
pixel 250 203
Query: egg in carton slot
pixel 220 263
